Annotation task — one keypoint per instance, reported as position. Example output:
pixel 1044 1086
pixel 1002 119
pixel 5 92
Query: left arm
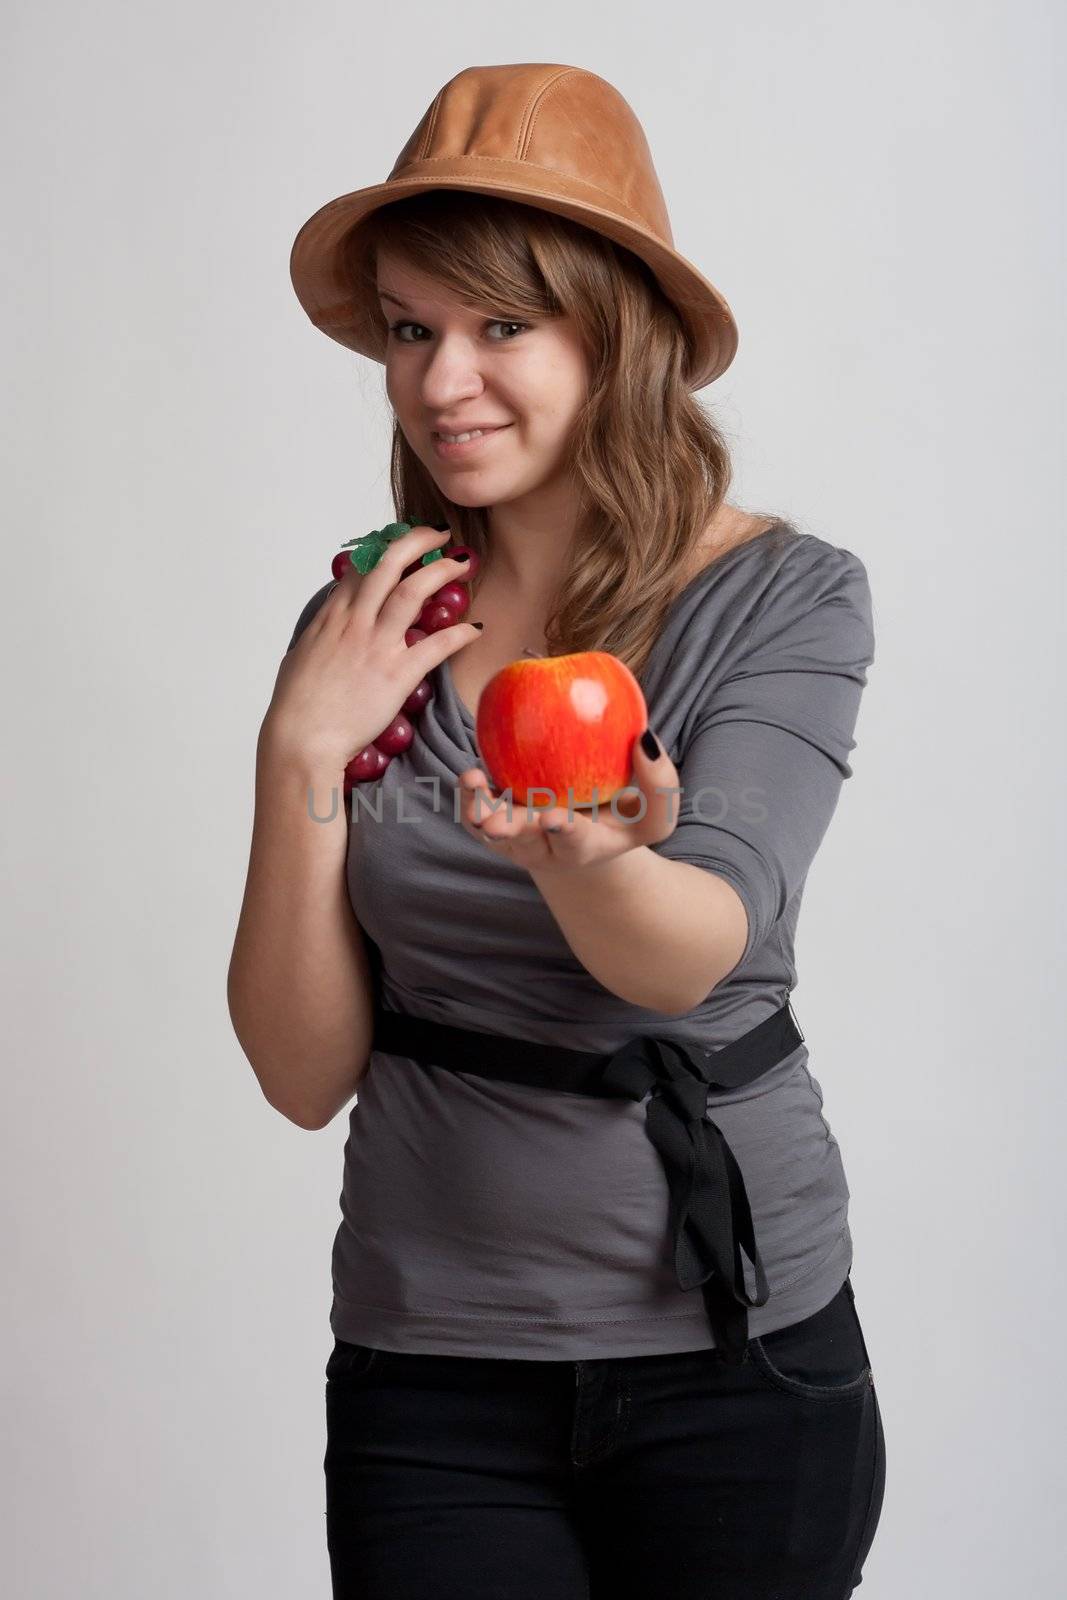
pixel 657 933
pixel 660 912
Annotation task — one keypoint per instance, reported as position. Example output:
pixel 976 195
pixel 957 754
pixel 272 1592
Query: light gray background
pixel 879 193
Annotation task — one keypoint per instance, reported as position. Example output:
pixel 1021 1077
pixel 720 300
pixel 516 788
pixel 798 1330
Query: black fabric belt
pixel 709 1215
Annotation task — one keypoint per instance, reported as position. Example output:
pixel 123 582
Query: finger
pixel 556 822
pixel 474 795
pixel 372 589
pixel 494 815
pixel 511 821
pixel 498 826
pixel 413 589
pixel 323 613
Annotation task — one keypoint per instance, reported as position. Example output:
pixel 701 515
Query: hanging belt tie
pixel 710 1220
pixel 709 1216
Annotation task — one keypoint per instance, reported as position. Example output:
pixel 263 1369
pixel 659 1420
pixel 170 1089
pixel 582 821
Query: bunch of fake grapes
pixel 446 606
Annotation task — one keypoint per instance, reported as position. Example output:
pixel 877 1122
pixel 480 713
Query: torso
pixel 472 667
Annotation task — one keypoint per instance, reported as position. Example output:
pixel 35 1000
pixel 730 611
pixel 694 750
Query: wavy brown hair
pixel 651 468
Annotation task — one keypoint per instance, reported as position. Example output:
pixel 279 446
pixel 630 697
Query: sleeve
pixel 317 599
pixel 762 771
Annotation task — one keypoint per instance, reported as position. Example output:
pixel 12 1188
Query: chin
pixel 472 489
pixel 453 493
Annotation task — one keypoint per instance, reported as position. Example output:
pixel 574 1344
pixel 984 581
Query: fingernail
pixel 477 624
pixel 441 527
pixel 650 745
pixel 464 557
pixel 557 828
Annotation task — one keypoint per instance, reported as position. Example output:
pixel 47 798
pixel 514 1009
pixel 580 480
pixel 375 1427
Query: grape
pixel 419 697
pixel 366 764
pixel 353 774
pixel 396 737
pixel 434 617
pixel 454 595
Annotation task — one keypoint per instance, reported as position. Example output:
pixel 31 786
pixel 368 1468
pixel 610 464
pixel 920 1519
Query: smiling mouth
pixel 451 439
pixel 467 446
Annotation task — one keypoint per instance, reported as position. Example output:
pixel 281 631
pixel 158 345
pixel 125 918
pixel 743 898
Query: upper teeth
pixel 458 438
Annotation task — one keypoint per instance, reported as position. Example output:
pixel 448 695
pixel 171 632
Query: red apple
pixel 561 723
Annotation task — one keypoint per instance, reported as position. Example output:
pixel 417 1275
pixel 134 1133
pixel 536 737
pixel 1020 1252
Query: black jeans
pixel 665 1477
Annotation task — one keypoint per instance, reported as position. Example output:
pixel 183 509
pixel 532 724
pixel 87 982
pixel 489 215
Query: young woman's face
pixel 449 369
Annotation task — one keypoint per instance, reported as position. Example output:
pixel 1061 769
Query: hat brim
pixel 317 262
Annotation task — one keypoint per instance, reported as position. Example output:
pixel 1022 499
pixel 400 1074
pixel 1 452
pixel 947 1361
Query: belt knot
pixel 661 1065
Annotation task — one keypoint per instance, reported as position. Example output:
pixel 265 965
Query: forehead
pixel 411 285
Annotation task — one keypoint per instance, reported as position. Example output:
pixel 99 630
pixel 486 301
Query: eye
pixel 395 327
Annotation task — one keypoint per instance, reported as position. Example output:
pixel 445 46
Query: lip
pixel 449 452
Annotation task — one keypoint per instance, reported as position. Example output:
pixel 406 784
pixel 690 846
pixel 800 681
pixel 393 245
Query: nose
pixel 451 376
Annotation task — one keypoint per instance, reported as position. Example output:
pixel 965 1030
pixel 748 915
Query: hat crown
pixel 557 138
pixel 563 120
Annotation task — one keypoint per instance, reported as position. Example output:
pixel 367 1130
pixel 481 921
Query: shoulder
pixel 785 601
pixel 813 578
pixel 805 554
pixel 780 573
pixel 782 616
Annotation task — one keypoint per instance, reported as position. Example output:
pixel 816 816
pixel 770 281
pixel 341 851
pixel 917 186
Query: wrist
pixel 278 752
pixel 603 874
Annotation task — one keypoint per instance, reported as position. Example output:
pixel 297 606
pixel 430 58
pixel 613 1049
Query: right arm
pixel 299 982
pixel 299 985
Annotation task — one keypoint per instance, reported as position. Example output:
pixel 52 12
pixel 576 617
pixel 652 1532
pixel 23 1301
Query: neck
pixel 529 546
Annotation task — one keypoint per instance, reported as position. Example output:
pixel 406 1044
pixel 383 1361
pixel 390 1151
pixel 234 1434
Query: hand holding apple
pixel 553 840
pixel 562 735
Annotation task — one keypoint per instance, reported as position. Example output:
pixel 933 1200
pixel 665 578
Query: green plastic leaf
pixel 363 538
pixel 367 554
pixel 366 551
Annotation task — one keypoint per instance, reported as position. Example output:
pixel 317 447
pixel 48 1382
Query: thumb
pixel 653 773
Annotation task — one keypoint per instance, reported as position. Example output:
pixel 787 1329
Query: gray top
pixel 495 1219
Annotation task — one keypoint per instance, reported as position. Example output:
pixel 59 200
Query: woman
pixel 582 1094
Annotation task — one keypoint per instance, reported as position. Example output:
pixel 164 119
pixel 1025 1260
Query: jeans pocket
pixel 350 1361
pixel 824 1357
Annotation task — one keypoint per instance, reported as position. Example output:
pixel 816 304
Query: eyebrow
pixel 384 294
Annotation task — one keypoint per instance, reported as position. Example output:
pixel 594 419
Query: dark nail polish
pixel 439 527
pixel 477 624
pixel 650 745
pixel 464 557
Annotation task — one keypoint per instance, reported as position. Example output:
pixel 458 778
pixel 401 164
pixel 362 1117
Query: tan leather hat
pixel 555 137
